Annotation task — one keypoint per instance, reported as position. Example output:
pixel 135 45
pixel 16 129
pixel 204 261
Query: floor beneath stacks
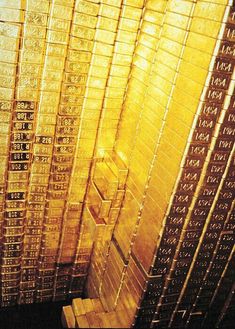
pixel 35 316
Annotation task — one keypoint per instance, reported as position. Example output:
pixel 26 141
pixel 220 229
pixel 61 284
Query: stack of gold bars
pixel 117 165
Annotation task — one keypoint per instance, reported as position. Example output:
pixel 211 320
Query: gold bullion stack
pixel 117 160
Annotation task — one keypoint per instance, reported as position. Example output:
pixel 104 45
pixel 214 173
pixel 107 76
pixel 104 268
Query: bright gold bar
pixel 100 206
pixel 105 36
pixel 61 12
pixel 58 24
pixel 87 7
pixel 108 24
pixel 105 180
pixel 82 32
pixel 102 49
pixel 35 6
pixel 84 20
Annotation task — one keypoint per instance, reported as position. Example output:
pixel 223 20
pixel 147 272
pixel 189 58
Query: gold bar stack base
pixel 90 313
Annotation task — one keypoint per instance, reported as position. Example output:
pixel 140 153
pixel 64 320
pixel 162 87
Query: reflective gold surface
pixel 117 159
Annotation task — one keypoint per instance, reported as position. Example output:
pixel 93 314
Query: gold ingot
pixel 4 142
pixel 216 10
pixel 7 81
pixel 6 93
pixel 38 179
pixel 92 94
pixel 54 63
pixel 115 3
pixel 28 82
pixel 131 12
pixel 61 12
pixel 176 140
pixel 109 11
pixel 87 124
pixel 108 24
pixel 98 71
pixel 100 60
pixel 183 7
pixel 78 56
pixel 205 27
pixel 82 32
pixel 102 49
pixel 5 128
pixel 50 98
pixel 87 7
pixel 34 31
pixel 154 17
pixel 148 40
pixel 145 52
pixel 119 59
pixel 128 24
pixel 80 44
pixel 134 3
pixel 109 124
pixel 47 130
pixel 36 18
pixel 34 44
pixel 57 37
pixel 117 82
pixel 111 113
pixel 105 36
pixel 82 321
pixel 174 33
pixel 100 206
pixel 185 99
pixel 75 78
pixel 14 4
pixel 24 94
pixel 115 163
pixel 163 98
pixel 9 30
pixel 7 43
pixel 172 61
pixel 95 82
pixel 170 46
pixel 141 75
pixel 177 20
pixel 126 36
pixel 221 2
pixel 57 50
pixel 191 87
pixel 151 29
pixel 178 111
pixel 162 84
pixel 142 63
pixel 58 24
pixel 197 74
pixel 119 71
pixel 114 93
pixel 84 20
pixel 50 85
pixel 197 57
pixel 113 103
pixel 34 5
pixel 53 76
pixel 29 69
pixel 201 42
pixel 148 237
pixel 40 149
pixel 105 180
pixel 69 3
pixel 87 134
pixel 30 56
pixel 124 48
